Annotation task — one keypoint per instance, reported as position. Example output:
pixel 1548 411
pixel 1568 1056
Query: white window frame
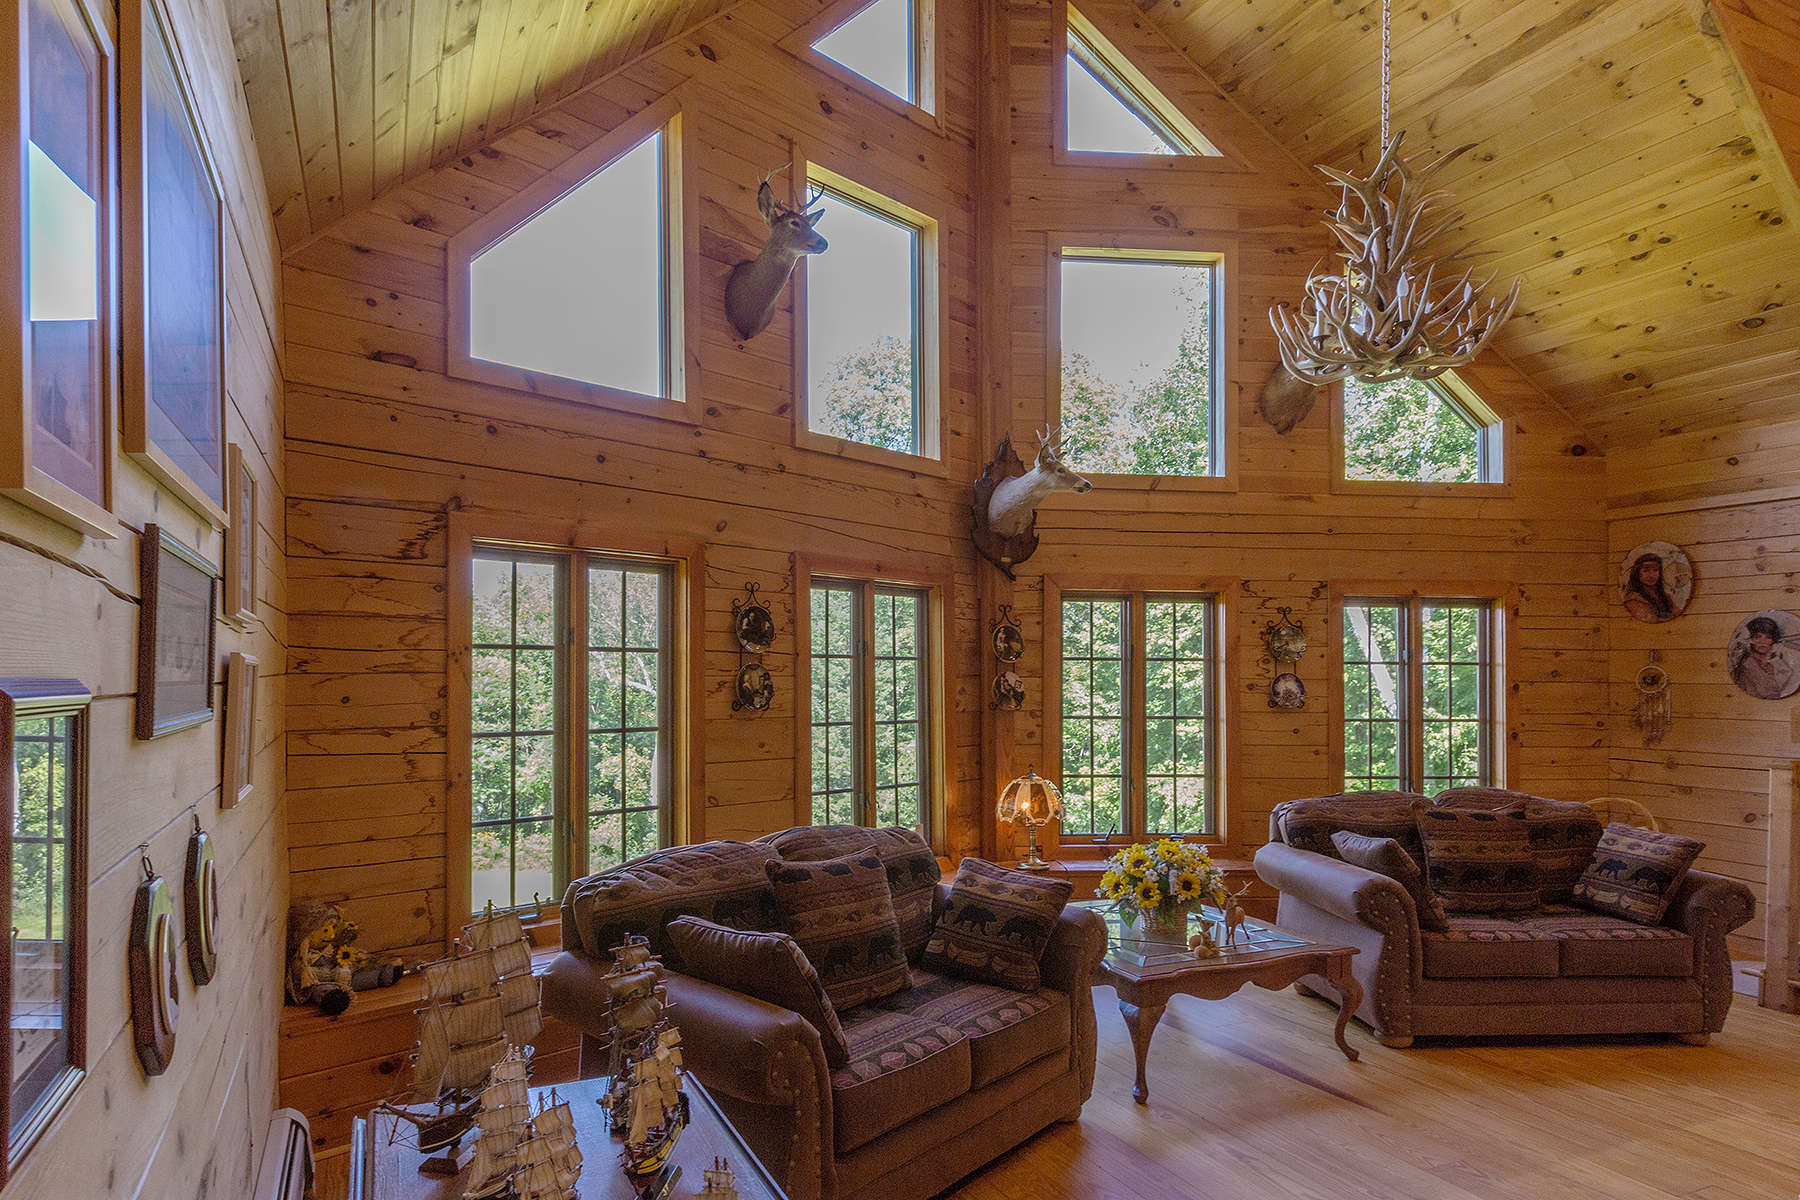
pixel 927 68
pixel 681 353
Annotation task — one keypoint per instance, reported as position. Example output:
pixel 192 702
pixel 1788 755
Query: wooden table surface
pixel 385 1160
pixel 1265 955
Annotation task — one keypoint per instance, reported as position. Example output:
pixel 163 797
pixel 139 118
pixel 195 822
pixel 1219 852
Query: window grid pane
pixel 1456 685
pixel 899 669
pixel 44 754
pixel 1093 714
pixel 1178 798
pixel 834 636
pixel 514 686
pixel 1374 680
pixel 627 711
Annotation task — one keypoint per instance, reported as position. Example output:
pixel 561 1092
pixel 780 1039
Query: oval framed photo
pixel 1656 581
pixel 755 687
pixel 1763 657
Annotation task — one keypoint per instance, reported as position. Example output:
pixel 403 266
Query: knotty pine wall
pixel 384 448
pixel 72 611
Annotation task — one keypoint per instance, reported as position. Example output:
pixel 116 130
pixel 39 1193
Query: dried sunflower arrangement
pixel 1162 879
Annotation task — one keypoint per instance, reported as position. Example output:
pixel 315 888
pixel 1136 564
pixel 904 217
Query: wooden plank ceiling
pixel 1622 166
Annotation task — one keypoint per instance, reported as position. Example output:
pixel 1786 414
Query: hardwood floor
pixel 1251 1100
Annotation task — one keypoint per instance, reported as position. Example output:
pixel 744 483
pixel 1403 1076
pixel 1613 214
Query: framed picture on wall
pixel 238 778
pixel 175 636
pixel 240 540
pixel 57 313
pixel 172 270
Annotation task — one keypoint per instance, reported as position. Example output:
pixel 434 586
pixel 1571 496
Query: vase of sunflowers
pixel 1157 885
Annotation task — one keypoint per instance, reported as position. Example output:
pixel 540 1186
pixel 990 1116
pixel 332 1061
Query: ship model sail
pixel 519 1153
pixel 644 1100
pixel 480 1003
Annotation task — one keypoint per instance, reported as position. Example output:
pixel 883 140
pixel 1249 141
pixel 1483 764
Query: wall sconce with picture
pixel 754 626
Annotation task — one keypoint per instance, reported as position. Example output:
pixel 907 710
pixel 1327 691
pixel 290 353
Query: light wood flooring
pixel 1250 1100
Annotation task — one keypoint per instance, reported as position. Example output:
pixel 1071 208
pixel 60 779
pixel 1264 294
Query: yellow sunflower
pixel 1148 894
pixel 1188 886
pixel 1108 888
pixel 1137 858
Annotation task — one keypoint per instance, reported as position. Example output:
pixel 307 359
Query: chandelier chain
pixel 1386 71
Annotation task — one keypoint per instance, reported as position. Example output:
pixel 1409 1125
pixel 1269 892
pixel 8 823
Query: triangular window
pixel 1112 108
pixel 1419 431
pixel 880 44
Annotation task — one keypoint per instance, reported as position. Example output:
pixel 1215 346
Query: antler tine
pixel 768 175
pixel 815 195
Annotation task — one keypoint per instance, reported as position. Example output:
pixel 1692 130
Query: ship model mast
pixel 644 1102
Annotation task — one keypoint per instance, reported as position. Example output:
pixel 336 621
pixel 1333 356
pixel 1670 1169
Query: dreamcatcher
pixel 1652 716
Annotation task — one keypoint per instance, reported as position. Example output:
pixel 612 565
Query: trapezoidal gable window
pixel 1418 431
pixel 1111 107
pixel 871 322
pixel 1141 366
pixel 887 43
pixel 573 288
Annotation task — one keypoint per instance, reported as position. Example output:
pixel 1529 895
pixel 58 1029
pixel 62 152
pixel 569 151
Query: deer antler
pixel 772 174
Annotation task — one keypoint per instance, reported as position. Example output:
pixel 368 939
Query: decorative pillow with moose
pixel 996 924
pixel 1634 872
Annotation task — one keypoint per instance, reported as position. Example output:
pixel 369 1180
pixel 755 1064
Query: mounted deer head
pixel 1015 500
pixel 755 283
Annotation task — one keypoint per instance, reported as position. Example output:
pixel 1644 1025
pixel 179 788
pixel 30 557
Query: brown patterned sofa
pixel 1560 970
pixel 941 1078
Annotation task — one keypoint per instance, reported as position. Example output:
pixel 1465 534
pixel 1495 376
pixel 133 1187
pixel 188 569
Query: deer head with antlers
pixel 1014 502
pixel 755 283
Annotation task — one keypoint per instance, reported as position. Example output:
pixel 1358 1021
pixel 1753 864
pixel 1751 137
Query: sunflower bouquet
pixel 1160 878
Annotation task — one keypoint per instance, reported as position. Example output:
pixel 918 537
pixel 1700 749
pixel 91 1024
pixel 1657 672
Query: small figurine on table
pixel 1202 943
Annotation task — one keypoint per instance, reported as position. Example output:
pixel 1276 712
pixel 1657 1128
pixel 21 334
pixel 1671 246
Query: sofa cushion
pixel 912 869
pixel 900 1066
pixel 720 881
pixel 1634 872
pixel 768 966
pixel 1479 861
pixel 840 912
pixel 1563 834
pixel 1489 947
pixel 996 924
pixel 1385 857
pixel 1309 824
pixel 1006 1029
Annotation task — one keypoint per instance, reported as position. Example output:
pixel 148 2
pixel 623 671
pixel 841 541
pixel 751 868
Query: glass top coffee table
pixel 1147 973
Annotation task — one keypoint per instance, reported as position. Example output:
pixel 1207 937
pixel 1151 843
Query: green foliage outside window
pixel 871 396
pixel 1163 427
pixel 1408 430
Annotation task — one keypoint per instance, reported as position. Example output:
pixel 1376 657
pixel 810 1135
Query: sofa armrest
pixel 1342 889
pixel 1707 907
pixel 734 1044
pixel 1070 961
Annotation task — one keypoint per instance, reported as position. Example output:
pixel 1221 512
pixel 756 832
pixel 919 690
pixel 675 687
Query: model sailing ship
pixel 480 1003
pixel 719 1185
pixel 644 1101
pixel 520 1153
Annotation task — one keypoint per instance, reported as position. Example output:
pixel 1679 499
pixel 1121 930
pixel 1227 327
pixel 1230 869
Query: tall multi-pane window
pixel 1418 694
pixel 571 706
pixel 1138 705
pixel 44 724
pixel 870 678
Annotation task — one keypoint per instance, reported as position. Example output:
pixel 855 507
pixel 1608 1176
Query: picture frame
pixel 240 539
pixel 172 419
pixel 58 291
pixel 176 636
pixel 238 777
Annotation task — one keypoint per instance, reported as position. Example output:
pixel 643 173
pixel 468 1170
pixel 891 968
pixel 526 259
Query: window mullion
pixel 1413 698
pixel 1133 684
pixel 571 850
pixel 863 687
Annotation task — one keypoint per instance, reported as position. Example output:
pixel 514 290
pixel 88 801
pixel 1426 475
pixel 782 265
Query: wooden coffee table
pixel 1147 974
pixel 384 1160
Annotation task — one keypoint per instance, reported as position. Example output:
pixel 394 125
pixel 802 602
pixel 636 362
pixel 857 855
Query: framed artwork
pixel 1656 581
pixel 172 268
pixel 175 636
pixel 1764 655
pixel 239 776
pixel 57 310
pixel 240 541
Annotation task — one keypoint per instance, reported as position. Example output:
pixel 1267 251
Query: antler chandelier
pixel 1388 313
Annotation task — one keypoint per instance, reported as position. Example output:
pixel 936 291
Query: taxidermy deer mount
pixel 1004 515
pixel 1286 399
pixel 755 283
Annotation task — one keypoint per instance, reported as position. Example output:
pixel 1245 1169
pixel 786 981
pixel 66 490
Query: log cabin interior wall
pixel 72 612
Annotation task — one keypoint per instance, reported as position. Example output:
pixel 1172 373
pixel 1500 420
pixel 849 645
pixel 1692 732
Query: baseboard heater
pixel 286 1171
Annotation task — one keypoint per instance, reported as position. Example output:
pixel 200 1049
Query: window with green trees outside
pixel 1419 431
pixel 571 695
pixel 1418 694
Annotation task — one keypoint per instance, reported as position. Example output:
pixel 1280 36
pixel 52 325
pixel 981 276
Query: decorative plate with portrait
pixel 755 687
pixel 1286 691
pixel 1009 690
pixel 1009 641
pixel 1655 582
pixel 1284 638
pixel 755 625
pixel 1764 655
